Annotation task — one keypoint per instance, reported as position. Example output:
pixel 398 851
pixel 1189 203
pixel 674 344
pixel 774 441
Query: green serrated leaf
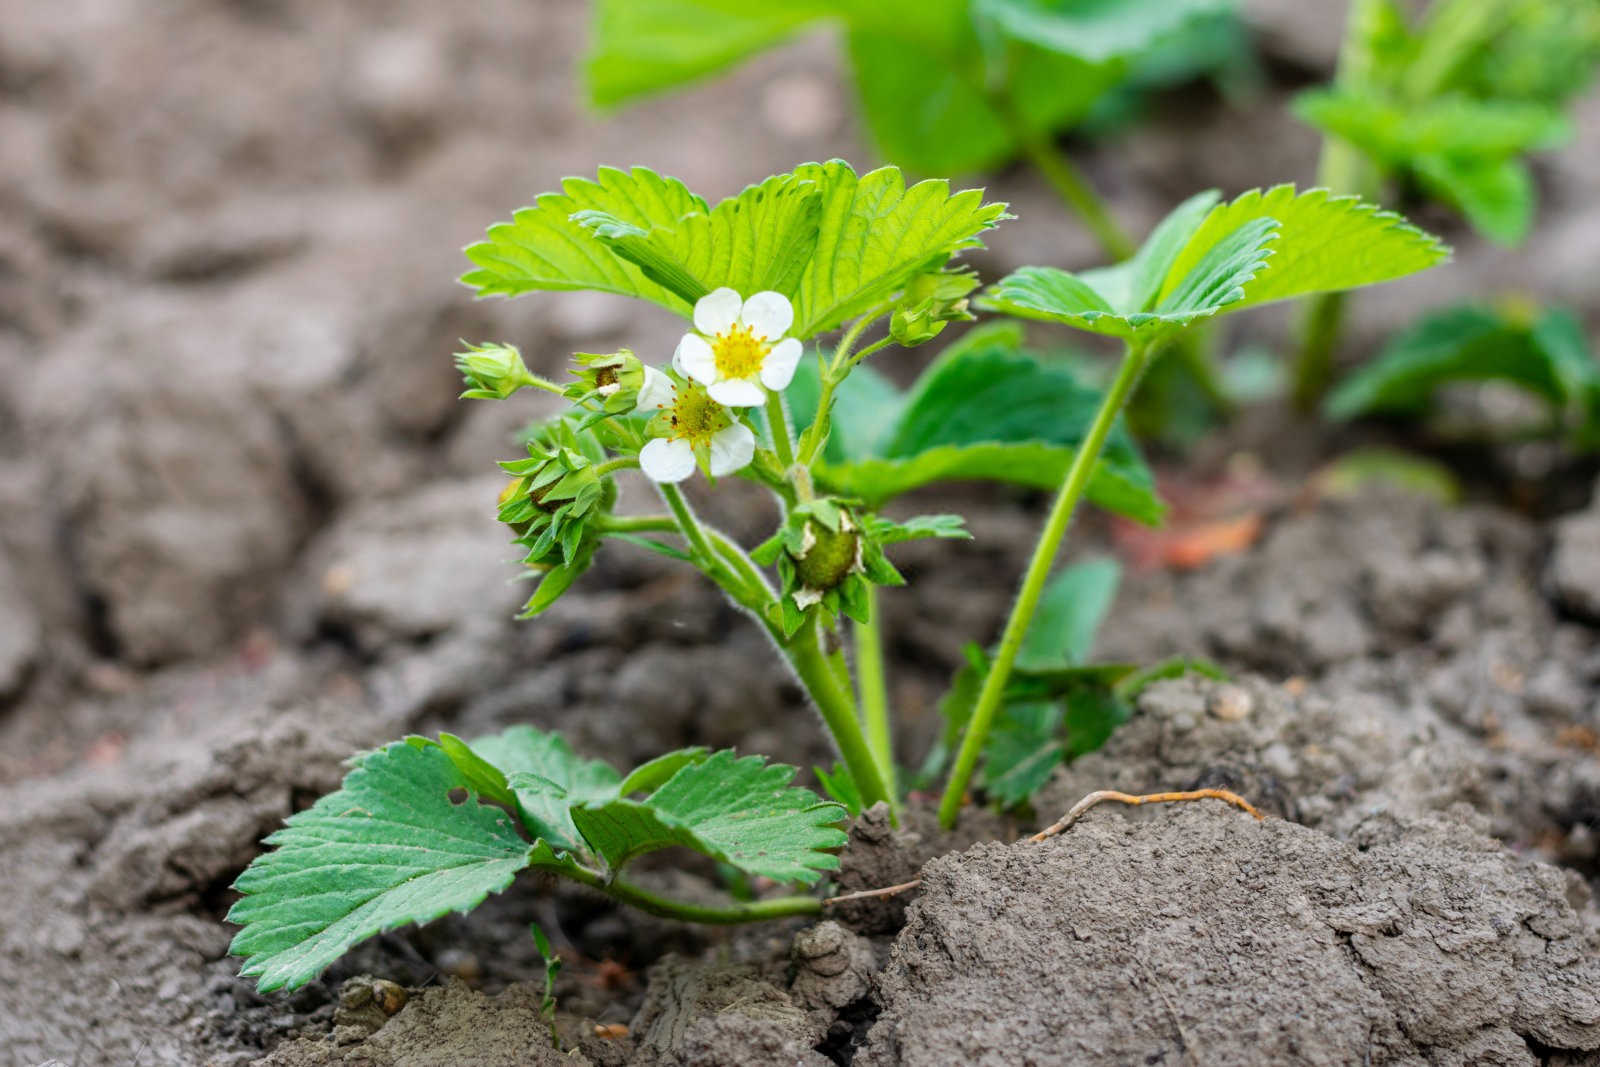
pixel 740 811
pixel 876 235
pixel 387 849
pixel 547 777
pixel 1325 243
pixel 1070 612
pixel 758 240
pixel 543 248
pixel 652 774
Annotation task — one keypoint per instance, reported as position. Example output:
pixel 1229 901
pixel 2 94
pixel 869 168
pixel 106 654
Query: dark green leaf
pixel 547 778
pixel 740 811
pixel 1069 615
pixel 389 848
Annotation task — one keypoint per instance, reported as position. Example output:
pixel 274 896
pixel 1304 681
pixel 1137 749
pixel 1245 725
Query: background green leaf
pixel 388 848
pixel 984 410
pixel 1094 30
pixel 1074 604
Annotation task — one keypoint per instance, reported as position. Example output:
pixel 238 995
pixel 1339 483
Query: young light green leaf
pixel 1325 243
pixel 740 811
pixel 542 248
pixel 1094 30
pixel 547 778
pixel 1074 605
pixel 876 235
pixel 643 46
pixel 758 240
pixel 389 848
pixel 1214 282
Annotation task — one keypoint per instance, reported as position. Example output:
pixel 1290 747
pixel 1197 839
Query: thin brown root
pixel 873 894
pixel 1061 824
pixel 1103 795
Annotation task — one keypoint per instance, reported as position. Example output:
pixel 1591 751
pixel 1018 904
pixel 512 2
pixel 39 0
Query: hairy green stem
pixel 872 684
pixel 833 373
pixel 638 524
pixel 838 711
pixel 778 423
pixel 725 915
pixel 687 523
pixel 1320 330
pixel 1034 579
pixel 618 463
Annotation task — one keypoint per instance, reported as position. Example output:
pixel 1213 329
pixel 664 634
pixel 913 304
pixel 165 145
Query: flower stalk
pixel 1135 359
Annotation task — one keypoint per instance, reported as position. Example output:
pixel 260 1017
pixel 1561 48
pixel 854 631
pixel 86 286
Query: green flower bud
pixel 613 379
pixel 928 303
pixel 554 497
pixel 493 372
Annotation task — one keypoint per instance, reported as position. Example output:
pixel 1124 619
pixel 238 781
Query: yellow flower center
pixel 694 416
pixel 739 353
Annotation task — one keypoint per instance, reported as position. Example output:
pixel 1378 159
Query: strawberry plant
pixel 787 289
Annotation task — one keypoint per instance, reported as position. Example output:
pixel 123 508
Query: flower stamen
pixel 739 352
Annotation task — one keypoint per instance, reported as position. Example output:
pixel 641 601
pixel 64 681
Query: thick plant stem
pixel 726 915
pixel 839 714
pixel 1033 581
pixel 873 686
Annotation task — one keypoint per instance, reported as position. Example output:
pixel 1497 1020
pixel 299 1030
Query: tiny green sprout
pixel 552 968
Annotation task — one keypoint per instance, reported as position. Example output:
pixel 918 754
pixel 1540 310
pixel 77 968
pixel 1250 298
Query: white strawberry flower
pixel 690 430
pixel 740 346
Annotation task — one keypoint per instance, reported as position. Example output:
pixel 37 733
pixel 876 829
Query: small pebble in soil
pixel 1231 703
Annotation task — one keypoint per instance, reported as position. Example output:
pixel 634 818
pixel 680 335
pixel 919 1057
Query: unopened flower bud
pixel 493 371
pixel 928 303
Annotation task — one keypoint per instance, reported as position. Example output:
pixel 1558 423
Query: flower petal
pixel 777 370
pixel 717 311
pixel 656 392
pixel 732 449
pixel 666 461
pixel 768 314
pixel 737 393
pixel 694 358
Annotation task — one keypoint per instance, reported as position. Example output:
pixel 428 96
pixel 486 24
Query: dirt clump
pixel 445 1026
pixel 1201 935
